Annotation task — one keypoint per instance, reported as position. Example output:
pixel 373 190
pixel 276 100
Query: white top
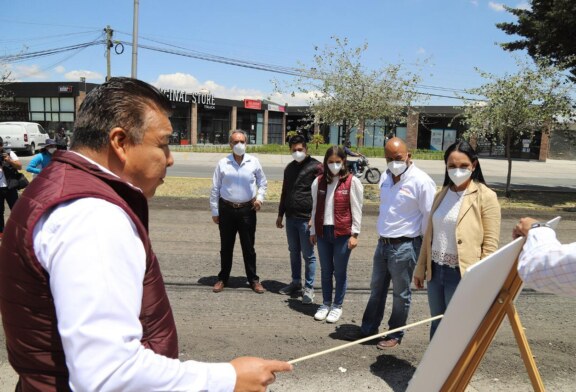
pixel 356 200
pixel 3 183
pixel 444 221
pixel 547 265
pixel 237 183
pixel 405 206
pixel 96 263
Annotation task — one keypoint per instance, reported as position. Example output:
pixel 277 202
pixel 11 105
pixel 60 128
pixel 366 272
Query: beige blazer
pixel 477 229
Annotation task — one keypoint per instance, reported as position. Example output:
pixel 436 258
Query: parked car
pixel 23 136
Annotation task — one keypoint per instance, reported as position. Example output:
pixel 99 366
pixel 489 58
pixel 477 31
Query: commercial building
pixel 200 118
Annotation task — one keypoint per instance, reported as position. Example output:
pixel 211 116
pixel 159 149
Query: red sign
pixel 65 89
pixel 253 104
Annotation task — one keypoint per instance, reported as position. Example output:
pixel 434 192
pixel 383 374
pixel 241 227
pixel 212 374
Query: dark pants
pixel 9 195
pixel 242 221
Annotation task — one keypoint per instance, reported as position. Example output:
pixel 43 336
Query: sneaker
pixel 291 288
pixel 308 296
pixel 334 315
pixel 322 312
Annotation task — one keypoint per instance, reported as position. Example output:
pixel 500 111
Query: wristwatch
pixel 539 224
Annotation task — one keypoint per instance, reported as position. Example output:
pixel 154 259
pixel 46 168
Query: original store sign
pixel 207 100
pixel 276 108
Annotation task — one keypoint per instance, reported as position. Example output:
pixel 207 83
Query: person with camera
pixel 9 163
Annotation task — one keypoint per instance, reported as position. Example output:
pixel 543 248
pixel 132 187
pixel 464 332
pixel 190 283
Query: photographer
pixel 8 161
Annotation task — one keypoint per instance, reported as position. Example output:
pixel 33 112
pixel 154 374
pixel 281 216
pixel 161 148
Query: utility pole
pixel 135 40
pixel 109 45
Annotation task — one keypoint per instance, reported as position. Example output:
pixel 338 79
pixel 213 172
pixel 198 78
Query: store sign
pixel 253 104
pixel 436 139
pixel 65 89
pixel 207 100
pixel 276 108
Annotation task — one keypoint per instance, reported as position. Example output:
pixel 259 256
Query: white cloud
pixel 77 74
pixel 498 7
pixel 474 2
pixel 524 6
pixel 421 51
pixel 22 72
pixel 60 69
pixel 190 84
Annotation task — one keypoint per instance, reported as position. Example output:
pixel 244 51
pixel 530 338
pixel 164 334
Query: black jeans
pixel 242 221
pixel 9 195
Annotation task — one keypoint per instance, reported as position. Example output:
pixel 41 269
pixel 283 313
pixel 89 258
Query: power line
pixel 14 58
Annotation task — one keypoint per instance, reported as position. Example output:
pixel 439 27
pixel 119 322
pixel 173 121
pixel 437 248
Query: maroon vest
pixel 342 208
pixel 28 313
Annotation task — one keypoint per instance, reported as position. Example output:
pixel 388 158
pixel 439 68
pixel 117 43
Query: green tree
pixel 533 99
pixel 547 30
pixel 342 91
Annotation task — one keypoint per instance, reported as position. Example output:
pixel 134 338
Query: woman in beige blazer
pixel 464 227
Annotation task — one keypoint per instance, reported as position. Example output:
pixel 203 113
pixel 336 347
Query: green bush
pixel 370 152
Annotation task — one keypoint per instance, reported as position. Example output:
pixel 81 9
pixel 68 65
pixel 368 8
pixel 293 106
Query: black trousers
pixel 242 221
pixel 9 195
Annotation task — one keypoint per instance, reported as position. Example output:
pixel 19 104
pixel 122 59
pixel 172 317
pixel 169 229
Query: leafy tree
pixel 342 91
pixel 534 99
pixel 317 139
pixel 547 30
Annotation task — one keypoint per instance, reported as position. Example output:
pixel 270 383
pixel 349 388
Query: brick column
pixel 194 124
pixel 234 120
pixel 79 99
pixel 412 130
pixel 284 128
pixel 544 146
pixel 265 128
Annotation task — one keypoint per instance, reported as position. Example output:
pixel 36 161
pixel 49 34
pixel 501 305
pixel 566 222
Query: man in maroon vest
pixel 82 298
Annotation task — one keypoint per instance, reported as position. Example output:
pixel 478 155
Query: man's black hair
pixel 297 139
pixel 119 102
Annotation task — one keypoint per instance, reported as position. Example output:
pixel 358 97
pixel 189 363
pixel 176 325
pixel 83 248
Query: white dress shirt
pixel 356 200
pixel 547 265
pixel 405 206
pixel 237 183
pixel 96 262
pixel 3 183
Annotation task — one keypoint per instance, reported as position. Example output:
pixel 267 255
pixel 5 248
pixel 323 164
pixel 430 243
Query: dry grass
pixel 200 188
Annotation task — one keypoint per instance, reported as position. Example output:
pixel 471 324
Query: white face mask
pixel 335 167
pixel 397 167
pixel 299 155
pixel 51 150
pixel 239 149
pixel 459 176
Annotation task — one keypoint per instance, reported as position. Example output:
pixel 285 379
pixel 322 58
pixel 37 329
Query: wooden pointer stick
pixel 364 340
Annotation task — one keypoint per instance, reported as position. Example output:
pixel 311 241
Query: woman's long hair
pixel 465 148
pixel 335 150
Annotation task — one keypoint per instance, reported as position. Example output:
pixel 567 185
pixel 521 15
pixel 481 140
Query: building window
pixel 36 116
pixel 67 104
pixel 36 104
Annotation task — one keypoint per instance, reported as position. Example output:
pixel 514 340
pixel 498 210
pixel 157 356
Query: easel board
pixel 472 300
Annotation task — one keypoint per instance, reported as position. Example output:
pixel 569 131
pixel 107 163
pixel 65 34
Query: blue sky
pixel 442 40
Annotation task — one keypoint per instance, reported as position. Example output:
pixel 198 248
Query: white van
pixel 23 136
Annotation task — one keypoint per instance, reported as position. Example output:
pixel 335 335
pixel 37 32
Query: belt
pixel 395 241
pixel 237 205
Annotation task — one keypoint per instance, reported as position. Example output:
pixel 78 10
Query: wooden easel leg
pixel 525 351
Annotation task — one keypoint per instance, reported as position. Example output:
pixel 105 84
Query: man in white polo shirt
pixel 406 195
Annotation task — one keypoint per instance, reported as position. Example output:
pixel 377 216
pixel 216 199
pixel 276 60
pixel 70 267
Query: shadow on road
pixel 394 371
pixel 296 304
pixel 234 282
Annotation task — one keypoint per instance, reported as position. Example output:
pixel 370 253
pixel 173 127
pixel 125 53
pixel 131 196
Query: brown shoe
pixel 257 287
pixel 218 287
pixel 388 343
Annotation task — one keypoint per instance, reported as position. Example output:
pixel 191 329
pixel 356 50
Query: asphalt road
pixel 218 327
pixel 559 175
